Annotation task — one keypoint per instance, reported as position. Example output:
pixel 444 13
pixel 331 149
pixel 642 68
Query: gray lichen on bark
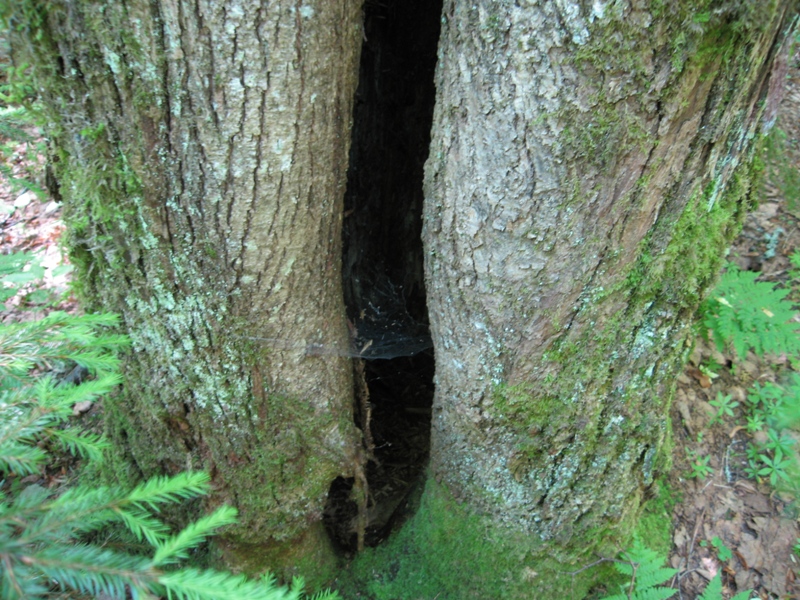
pixel 580 192
pixel 202 151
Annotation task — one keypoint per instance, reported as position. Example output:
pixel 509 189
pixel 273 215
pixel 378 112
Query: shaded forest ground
pixel 746 516
pixel 754 522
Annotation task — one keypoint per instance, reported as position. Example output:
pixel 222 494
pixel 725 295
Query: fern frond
pixel 750 314
pixel 655 593
pixel 713 590
pixel 654 577
pixel 645 568
pixel 178 546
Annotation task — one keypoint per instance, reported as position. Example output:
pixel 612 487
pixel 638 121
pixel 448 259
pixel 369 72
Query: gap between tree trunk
pixel 383 276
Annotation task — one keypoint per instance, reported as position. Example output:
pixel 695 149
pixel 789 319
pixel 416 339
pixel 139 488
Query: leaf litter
pixel 756 523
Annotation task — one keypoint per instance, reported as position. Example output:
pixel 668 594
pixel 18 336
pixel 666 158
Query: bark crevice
pixel 383 277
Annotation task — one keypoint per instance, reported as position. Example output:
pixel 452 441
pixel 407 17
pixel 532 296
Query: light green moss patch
pixel 447 552
pixel 309 556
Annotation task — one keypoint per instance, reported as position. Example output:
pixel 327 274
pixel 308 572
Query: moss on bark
pixel 196 211
pixel 586 177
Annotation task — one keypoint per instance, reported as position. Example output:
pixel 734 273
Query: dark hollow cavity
pixel 383 277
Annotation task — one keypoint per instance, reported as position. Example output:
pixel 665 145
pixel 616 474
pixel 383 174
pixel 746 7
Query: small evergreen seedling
pixel 44 543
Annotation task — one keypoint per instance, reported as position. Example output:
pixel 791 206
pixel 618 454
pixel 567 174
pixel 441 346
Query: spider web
pixel 383 329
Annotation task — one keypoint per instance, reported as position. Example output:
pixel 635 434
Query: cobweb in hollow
pixel 383 329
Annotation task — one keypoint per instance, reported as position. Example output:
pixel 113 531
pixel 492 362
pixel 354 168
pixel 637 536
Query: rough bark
pixel 201 150
pixel 590 163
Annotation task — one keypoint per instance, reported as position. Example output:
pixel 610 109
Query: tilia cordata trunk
pixel 201 151
pixel 590 163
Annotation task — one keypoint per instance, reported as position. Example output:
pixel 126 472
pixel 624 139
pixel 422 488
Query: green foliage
pixel 748 314
pixel 16 270
pixel 44 534
pixel 775 467
pixel 15 124
pixel 775 408
pixel 700 467
pixel 724 553
pixel 724 405
pixel 786 406
pixel 713 591
pixel 794 272
pixel 645 571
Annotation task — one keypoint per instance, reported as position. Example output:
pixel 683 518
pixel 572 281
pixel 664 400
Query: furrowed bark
pixel 201 150
pixel 588 168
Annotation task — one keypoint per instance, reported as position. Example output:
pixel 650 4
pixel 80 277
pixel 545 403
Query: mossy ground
pixel 446 552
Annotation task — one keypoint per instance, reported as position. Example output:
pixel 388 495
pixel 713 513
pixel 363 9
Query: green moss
pixel 685 269
pixel 606 132
pixel 655 523
pixel 449 553
pixel 309 556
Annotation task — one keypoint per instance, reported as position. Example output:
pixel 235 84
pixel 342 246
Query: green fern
pixel 646 570
pixel 750 315
pixel 713 591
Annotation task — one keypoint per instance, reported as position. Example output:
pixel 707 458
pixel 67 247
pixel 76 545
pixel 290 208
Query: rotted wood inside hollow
pixel 361 484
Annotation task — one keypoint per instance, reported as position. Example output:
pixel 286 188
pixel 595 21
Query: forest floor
pixel 723 521
pixel 726 520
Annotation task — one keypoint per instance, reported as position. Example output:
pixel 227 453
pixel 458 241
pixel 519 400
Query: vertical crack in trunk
pixel 383 276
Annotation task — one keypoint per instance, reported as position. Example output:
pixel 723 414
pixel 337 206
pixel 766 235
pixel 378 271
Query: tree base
pixel 310 556
pixel 448 552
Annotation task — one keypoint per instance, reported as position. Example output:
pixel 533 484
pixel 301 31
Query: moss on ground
pixel 450 553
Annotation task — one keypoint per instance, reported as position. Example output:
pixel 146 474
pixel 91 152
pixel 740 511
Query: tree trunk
pixel 589 166
pixel 201 150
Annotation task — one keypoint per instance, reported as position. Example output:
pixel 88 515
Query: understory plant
pixel 46 542
pixel 741 314
pixel 746 314
pixel 16 126
pixel 647 577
